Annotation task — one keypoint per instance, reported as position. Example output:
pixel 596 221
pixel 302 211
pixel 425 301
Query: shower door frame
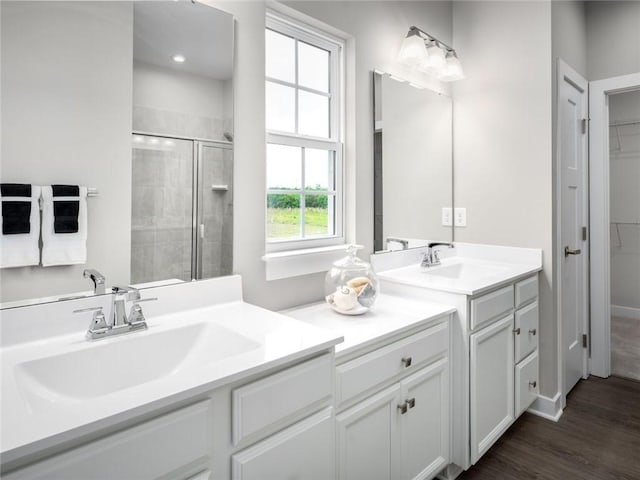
pixel 197 191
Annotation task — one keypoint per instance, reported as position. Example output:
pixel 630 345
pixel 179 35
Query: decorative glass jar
pixel 351 285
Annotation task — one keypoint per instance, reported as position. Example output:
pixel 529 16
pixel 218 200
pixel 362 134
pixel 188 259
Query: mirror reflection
pixel 413 166
pixel 133 103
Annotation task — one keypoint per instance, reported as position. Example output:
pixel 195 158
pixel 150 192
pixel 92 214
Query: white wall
pixel 613 38
pixel 377 29
pixel 503 139
pixel 625 199
pixel 68 103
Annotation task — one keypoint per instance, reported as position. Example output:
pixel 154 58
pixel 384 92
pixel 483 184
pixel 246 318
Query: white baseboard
pixel 545 407
pixel 625 312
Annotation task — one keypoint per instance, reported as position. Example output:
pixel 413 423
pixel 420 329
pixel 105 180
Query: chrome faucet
pixel 119 322
pixel 401 241
pixel 98 280
pixel 431 257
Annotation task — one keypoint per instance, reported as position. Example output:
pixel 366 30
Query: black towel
pixel 65 190
pixel 65 216
pixel 16 217
pixel 15 189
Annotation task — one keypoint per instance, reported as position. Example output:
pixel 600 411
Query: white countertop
pixel 390 315
pixel 30 425
pixel 483 275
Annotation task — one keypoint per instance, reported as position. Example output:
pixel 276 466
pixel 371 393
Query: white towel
pixel 22 249
pixel 63 248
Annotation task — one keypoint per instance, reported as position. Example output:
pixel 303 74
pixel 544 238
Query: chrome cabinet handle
pixel 533 384
pixel 403 408
pixel 516 331
pixel 411 402
pixel 533 331
pixel 568 251
pixel 406 361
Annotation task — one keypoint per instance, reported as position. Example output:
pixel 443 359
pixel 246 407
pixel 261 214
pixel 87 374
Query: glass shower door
pixel 162 209
pixel 214 244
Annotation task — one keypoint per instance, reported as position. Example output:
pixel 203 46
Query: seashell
pixel 345 298
pixel 358 282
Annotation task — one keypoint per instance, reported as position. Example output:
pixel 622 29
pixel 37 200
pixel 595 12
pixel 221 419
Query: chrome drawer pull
pixel 533 331
pixel 411 402
pixel 533 384
pixel 406 361
pixel 516 331
pixel 403 408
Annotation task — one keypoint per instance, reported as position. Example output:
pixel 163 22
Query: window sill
pixel 294 263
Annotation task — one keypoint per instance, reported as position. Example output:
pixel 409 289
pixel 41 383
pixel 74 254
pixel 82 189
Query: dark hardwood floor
pixel 597 437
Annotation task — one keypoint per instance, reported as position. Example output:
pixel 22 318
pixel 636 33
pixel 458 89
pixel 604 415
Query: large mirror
pixel 133 103
pixel 413 166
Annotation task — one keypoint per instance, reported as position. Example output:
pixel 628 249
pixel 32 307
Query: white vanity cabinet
pixel 173 446
pixel 494 359
pixel 393 404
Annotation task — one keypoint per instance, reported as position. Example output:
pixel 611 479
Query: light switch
pixel 447 215
pixel 460 215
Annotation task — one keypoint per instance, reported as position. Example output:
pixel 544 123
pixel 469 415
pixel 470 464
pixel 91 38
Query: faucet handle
pixel 98 322
pixel 135 315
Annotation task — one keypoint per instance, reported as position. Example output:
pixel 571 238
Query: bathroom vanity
pixel 392 388
pixel 222 389
pixel 494 334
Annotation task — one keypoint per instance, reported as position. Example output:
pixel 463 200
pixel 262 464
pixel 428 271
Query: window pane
pixel 313 116
pixel 284 167
pixel 318 215
pixel 283 217
pixel 280 56
pixel 313 67
pixel 280 107
pixel 318 169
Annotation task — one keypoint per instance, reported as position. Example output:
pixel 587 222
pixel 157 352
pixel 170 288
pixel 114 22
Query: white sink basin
pixel 107 366
pixel 464 270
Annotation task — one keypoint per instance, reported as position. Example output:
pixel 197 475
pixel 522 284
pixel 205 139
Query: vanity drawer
pixel 267 401
pixel 526 331
pixel 526 290
pixel 527 382
pixel 379 366
pixel 490 306
pixel 152 449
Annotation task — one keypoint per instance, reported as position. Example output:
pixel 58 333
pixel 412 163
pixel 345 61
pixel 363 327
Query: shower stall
pixel 182 208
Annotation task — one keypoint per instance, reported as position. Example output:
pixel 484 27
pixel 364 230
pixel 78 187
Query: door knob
pixel 406 361
pixel 533 331
pixel 411 402
pixel 403 408
pixel 568 251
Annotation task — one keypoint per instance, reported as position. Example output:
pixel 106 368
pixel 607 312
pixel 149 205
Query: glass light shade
pixel 413 51
pixel 435 57
pixel 453 70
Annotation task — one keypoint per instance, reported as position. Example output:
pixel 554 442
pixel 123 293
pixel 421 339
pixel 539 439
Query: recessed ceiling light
pixel 178 58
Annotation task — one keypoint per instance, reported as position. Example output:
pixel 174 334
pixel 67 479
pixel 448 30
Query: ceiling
pixel 204 35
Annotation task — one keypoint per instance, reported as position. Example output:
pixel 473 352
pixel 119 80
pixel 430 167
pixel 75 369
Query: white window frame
pixel 314 37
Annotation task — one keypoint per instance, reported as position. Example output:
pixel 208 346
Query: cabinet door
pixel 424 428
pixel 302 451
pixel 491 389
pixel 367 438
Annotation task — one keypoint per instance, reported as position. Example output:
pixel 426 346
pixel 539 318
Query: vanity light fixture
pixel 426 53
pixel 178 58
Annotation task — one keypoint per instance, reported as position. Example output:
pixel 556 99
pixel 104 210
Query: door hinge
pixel 585 340
pixel 584 125
pixel 584 234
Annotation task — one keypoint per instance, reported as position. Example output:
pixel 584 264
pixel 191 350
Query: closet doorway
pixel 615 233
pixel 182 208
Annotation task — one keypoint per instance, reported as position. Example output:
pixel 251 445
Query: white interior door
pixel 572 257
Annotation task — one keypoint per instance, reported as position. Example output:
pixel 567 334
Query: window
pixel 304 139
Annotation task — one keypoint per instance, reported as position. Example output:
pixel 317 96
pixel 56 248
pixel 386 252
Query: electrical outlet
pixel 460 217
pixel 447 215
